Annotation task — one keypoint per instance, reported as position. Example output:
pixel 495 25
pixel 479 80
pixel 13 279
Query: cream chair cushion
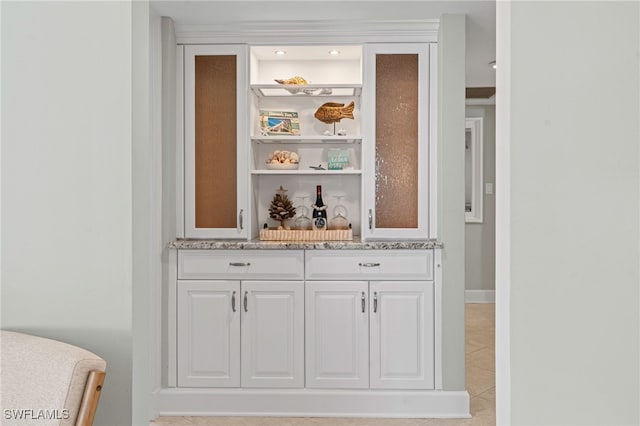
pixel 42 380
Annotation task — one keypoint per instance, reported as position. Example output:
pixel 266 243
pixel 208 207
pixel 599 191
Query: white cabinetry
pixel 332 79
pixel 233 333
pixel 402 335
pixel 392 322
pixel 306 331
pixel 272 334
pixel 208 326
pixel 399 129
pixel 388 186
pixel 337 334
pixel 216 178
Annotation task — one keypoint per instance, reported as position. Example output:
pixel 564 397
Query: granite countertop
pixel 356 244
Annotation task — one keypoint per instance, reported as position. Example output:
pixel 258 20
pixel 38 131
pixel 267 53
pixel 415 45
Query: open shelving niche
pixel 341 75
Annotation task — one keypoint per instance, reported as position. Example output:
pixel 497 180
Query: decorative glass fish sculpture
pixel 333 112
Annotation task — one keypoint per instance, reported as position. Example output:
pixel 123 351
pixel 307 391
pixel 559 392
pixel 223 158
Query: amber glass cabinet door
pixel 399 104
pixel 215 110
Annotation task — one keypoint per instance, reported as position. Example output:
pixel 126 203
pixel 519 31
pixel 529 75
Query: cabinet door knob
pixel 369 264
pixel 375 302
pixel 370 219
pixel 233 301
pixel 241 219
pixel 363 302
pixel 246 295
pixel 239 264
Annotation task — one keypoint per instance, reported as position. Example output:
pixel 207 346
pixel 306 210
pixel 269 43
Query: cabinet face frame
pixel 426 155
pixel 243 218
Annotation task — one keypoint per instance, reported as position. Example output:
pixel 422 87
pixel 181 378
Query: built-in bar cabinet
pixel 306 328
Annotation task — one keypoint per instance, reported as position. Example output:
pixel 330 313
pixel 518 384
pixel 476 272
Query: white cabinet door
pixel 402 335
pixel 208 333
pixel 272 334
pixel 399 121
pixel 337 343
pixel 216 182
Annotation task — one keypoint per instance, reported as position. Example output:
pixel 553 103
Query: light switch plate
pixel 488 188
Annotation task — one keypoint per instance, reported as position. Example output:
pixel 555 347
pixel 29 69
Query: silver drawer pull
pixel 369 265
pixel 233 301
pixel 246 294
pixel 363 302
pixel 239 264
pixel 375 302
pixel 241 219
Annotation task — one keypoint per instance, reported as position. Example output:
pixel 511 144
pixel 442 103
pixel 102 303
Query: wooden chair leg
pixel 90 398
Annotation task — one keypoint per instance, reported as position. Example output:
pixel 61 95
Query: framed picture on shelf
pixel 279 123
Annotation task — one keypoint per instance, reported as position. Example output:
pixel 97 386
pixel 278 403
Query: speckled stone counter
pixel 356 244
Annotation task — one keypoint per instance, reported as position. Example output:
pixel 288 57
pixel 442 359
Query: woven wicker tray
pixel 297 235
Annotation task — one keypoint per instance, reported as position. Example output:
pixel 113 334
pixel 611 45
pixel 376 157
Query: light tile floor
pixel 480 374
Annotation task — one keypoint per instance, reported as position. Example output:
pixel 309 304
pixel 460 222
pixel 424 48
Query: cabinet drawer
pixel 369 264
pixel 241 264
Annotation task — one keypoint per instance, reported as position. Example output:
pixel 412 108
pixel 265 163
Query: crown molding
pixel 310 31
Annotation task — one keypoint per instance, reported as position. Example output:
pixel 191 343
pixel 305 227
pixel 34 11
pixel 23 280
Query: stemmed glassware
pixel 339 220
pixel 302 222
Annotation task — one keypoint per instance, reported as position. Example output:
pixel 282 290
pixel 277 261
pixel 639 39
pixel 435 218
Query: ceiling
pixel 480 19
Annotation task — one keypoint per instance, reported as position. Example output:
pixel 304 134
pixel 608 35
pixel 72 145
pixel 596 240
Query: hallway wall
pixel 480 241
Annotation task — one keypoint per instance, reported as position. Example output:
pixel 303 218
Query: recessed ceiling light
pixel 280 52
pixel 334 52
pixel 493 65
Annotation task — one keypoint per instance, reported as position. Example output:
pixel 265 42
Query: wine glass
pixel 302 222
pixel 339 220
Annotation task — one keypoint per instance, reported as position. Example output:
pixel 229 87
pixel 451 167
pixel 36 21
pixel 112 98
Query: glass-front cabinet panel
pixel 215 140
pixel 397 176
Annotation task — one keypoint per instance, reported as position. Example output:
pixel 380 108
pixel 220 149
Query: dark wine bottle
pixel 319 217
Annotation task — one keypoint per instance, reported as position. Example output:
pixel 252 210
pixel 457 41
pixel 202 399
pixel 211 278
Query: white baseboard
pixel 313 403
pixel 480 296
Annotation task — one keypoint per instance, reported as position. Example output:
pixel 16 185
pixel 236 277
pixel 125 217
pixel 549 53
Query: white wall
pixel 67 182
pixel 574 212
